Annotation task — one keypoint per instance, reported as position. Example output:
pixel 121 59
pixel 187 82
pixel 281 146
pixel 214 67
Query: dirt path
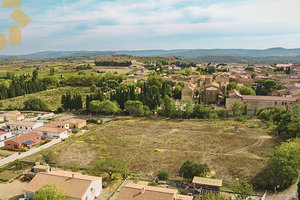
pixel 258 143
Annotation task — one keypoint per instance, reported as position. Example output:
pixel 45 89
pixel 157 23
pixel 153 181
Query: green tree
pixel 50 192
pixel 247 91
pixel 190 169
pixel 289 123
pixel 104 107
pixel 134 108
pixel 48 156
pixel 283 168
pixel 35 74
pixel 241 190
pixel 35 104
pixel 202 111
pixel 232 85
pixel 109 166
pixel 236 108
pixel 163 174
pixel 52 71
pixel 93 88
pixel 168 107
pixel 250 69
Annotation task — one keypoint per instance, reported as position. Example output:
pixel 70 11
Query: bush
pixel 136 180
pixel 3 180
pixel 163 174
pixel 153 184
pixel 92 121
pixel 182 191
pixel 35 104
pixel 190 169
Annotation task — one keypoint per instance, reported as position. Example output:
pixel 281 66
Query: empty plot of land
pixel 148 145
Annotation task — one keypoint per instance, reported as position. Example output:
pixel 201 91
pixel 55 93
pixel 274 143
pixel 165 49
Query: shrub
pixel 153 184
pixel 136 180
pixel 163 174
pixel 182 191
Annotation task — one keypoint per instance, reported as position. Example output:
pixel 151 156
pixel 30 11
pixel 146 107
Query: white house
pixel 22 126
pixel 52 132
pixel 5 135
pixel 75 185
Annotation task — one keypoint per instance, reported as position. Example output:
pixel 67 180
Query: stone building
pixel 188 91
pixel 261 102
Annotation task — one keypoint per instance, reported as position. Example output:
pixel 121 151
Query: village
pixel 224 87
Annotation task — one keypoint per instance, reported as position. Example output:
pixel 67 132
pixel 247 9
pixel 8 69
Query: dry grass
pixel 148 145
pixel 51 97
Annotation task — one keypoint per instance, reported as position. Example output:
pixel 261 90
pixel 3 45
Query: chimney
pixel 73 175
pixel 143 190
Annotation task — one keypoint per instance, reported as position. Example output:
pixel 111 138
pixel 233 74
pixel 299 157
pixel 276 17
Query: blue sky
pixel 155 24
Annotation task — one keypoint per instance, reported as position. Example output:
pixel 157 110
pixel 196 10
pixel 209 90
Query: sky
pixel 104 25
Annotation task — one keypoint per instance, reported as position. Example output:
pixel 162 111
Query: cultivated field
pixel 148 145
pixel 51 97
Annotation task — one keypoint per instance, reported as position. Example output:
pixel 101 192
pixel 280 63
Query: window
pixel 8 145
pixel 15 146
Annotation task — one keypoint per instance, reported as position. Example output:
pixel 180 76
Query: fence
pixel 16 156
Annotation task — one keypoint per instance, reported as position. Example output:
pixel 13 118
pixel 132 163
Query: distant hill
pixel 250 56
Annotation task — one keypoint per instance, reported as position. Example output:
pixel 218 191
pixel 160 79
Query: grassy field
pixel 148 145
pixel 51 97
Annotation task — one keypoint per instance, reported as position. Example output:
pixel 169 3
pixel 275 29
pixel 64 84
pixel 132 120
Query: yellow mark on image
pixel 15 35
pixel 3 41
pixel 11 3
pixel 21 18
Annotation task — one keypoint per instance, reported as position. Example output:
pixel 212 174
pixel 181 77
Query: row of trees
pixel 14 86
pixel 72 102
pixel 113 63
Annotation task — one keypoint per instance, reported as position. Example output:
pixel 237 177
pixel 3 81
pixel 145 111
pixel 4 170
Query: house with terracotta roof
pixel 139 192
pixel 4 135
pixel 22 126
pixel 23 141
pixel 75 123
pixel 75 185
pixel 52 132
pixel 58 124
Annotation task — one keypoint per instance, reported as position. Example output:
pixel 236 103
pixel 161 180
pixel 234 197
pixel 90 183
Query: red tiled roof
pixel 3 132
pixel 56 124
pixel 50 129
pixel 25 137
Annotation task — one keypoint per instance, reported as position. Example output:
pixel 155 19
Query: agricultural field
pixel 150 144
pixel 52 97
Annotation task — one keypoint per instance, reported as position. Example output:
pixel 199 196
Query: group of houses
pixel 212 89
pixel 77 186
pixel 18 134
